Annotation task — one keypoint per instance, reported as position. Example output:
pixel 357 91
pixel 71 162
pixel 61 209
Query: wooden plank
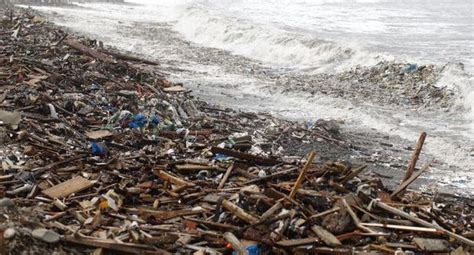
pixel 99 134
pixel 68 187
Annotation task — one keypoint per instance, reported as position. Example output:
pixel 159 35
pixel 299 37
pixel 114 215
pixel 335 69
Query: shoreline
pixel 289 135
pixel 248 85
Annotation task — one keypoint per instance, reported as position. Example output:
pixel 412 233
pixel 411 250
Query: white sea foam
pixel 266 43
pixel 454 77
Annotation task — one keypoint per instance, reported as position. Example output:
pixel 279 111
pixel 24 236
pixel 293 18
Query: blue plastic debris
pixel 409 68
pixel 251 250
pixel 155 120
pixel 138 121
pixel 98 150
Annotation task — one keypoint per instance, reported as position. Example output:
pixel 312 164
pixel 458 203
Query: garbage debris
pixel 105 154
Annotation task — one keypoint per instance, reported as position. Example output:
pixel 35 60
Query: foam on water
pixel 267 43
pixel 454 77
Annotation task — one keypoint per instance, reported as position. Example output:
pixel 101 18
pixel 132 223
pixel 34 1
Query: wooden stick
pixel 173 179
pixel 214 224
pixel 300 179
pixel 88 51
pixel 414 157
pixel 225 177
pixel 284 172
pixel 405 184
pixel 321 214
pixel 353 174
pixel 239 212
pixel 401 227
pixel 422 222
pixel 271 211
pixel 356 219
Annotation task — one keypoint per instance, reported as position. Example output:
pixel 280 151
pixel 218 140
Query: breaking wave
pixel 455 78
pixel 200 24
pixel 268 44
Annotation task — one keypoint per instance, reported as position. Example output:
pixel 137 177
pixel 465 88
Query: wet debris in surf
pixel 101 155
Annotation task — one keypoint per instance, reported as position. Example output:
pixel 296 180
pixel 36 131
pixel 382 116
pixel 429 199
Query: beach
pixel 151 105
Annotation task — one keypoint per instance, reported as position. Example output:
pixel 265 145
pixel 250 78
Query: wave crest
pixel 268 44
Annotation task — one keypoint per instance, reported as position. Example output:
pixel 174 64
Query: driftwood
pixel 239 212
pixel 412 178
pixel 174 179
pixel 414 157
pixel 226 176
pixel 126 161
pixel 129 57
pixel 68 187
pixel 301 177
pixel 88 51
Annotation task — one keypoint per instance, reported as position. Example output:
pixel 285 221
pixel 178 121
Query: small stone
pixel 6 202
pixel 46 235
pixel 9 233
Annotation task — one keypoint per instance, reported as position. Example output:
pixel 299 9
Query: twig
pixel 239 212
pixel 356 219
pixel 300 179
pixel 405 184
pixel 414 157
pixel 353 174
pixel 421 222
pixel 225 177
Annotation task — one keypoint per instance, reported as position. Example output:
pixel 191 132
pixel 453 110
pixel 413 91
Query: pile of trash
pixel 386 83
pixel 101 154
pixel 410 81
